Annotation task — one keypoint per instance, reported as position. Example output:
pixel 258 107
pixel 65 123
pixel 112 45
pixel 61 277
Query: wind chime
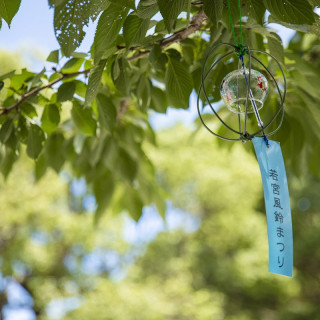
pixel 244 91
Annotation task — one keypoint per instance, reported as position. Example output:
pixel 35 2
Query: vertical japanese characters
pixel 278 216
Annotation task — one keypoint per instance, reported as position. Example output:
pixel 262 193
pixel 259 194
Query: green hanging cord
pixel 232 27
pixel 241 38
pixel 240 46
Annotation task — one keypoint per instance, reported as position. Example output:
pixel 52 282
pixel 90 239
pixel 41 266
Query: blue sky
pixel 32 34
pixel 32 28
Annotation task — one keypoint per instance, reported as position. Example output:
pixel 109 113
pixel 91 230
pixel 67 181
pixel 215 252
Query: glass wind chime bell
pixel 233 90
pixel 244 91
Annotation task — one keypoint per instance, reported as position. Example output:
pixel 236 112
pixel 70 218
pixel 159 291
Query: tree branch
pixel 194 26
pixel 178 36
pixel 37 90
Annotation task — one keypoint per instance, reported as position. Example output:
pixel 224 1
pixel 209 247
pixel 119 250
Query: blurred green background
pixel 207 258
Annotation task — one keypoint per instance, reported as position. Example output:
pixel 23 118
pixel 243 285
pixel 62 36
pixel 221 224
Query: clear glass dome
pixel 233 90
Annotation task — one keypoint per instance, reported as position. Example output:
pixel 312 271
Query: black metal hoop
pixel 243 134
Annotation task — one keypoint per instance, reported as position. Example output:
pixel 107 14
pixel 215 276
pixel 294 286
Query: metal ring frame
pixel 243 134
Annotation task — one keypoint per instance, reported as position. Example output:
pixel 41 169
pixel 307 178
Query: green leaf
pixel 54 151
pixel 94 81
pixel 110 155
pixel 18 80
pixel 158 58
pixel 147 9
pixel 134 30
pixel 170 9
pixel 83 119
pixel 81 88
pixel 161 28
pixel 256 10
pixel 8 9
pixel 178 25
pixel 116 69
pixel 36 81
pixel 124 3
pixel 50 118
pixel 213 9
pixel 259 29
pixel 109 25
pixel 40 167
pixel 109 52
pixel 276 48
pixel 28 110
pixel 127 167
pixel 7 162
pixel 178 84
pixel 107 112
pixel 133 203
pixel 66 91
pixel 96 6
pixel 291 11
pixel 144 93
pixel 121 76
pixel 103 190
pixel 6 130
pixel 22 130
pixel 159 101
pixel 53 56
pixel 79 55
pixel 7 75
pixel 69 20
pixel 97 149
pixel 53 3
pixel 160 201
pixel 314 28
pixel 35 141
pixel 315 3
pixel 188 47
pixel 54 76
pixel 72 65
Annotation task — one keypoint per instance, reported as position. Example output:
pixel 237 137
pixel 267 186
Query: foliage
pixel 217 271
pixel 90 116
pixel 43 242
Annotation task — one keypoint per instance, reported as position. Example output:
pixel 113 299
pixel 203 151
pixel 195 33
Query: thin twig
pixel 194 26
pixel 181 35
pixel 37 90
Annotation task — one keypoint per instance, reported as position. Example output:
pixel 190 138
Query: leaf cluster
pixel 90 116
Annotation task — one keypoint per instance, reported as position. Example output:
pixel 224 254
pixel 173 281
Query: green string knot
pixel 241 50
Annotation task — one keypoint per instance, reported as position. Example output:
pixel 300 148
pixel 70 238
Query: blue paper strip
pixel 276 196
